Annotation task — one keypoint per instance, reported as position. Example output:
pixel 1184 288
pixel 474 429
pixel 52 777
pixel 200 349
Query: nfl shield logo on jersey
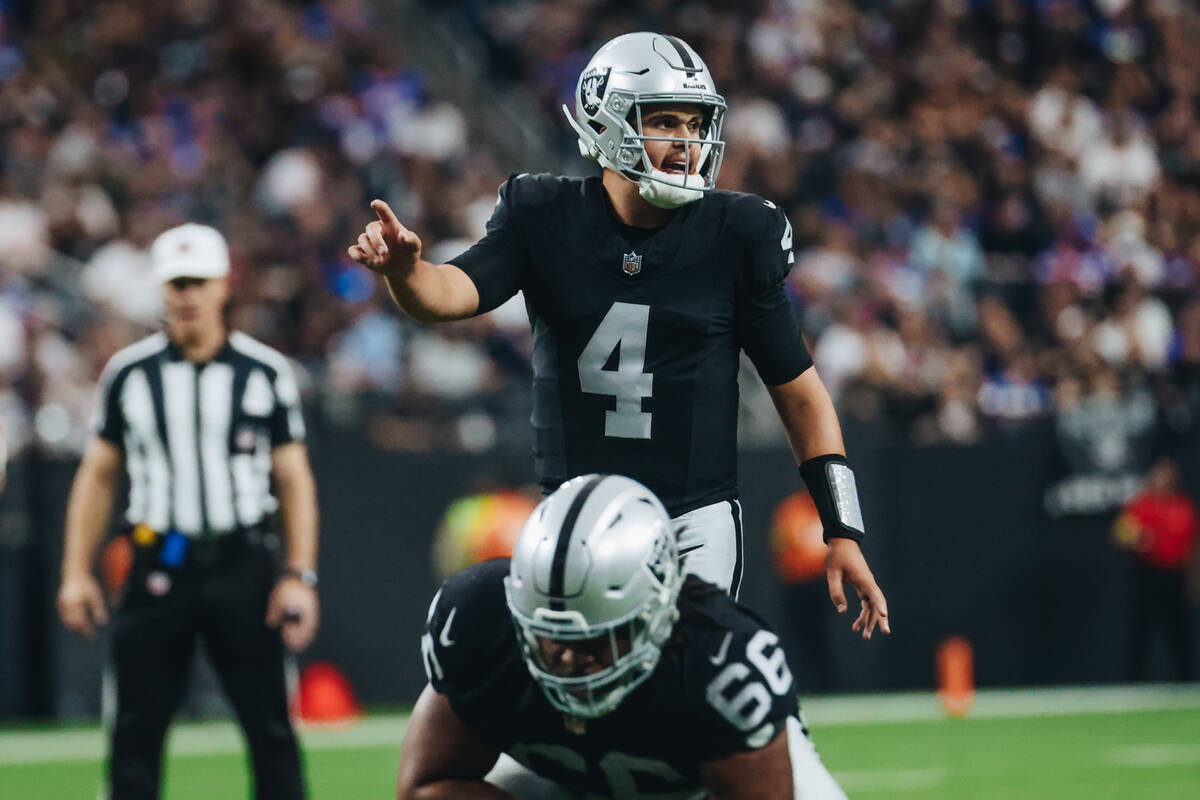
pixel 632 264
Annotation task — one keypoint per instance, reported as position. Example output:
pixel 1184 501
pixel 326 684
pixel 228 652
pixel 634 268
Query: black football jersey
pixel 636 334
pixel 722 686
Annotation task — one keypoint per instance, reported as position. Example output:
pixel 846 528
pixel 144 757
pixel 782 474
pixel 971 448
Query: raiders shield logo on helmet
pixel 631 264
pixel 591 88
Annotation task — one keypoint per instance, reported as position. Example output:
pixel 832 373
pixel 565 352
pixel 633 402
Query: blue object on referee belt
pixel 174 548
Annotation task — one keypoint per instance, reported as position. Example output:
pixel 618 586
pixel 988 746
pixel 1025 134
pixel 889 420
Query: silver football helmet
pixel 626 74
pixel 596 563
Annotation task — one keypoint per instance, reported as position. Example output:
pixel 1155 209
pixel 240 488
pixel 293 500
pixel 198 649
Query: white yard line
pixel 1000 703
pixel 202 738
pixel 1154 755
pixel 193 738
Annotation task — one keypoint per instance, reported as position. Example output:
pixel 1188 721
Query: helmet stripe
pixel 684 55
pixel 558 567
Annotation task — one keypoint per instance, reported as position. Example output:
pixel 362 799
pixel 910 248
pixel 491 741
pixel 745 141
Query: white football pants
pixel 710 544
pixel 810 779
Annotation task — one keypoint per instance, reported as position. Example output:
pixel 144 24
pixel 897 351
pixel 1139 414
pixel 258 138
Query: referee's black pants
pixel 223 602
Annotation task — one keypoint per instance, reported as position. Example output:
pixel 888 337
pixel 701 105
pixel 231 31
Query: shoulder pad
pixel 528 190
pixel 136 352
pixel 753 218
pixel 467 618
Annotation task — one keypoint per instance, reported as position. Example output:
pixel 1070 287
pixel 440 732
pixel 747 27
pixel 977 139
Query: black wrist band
pixel 830 481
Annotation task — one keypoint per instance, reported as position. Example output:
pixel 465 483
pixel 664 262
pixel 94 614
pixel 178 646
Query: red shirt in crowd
pixel 1166 527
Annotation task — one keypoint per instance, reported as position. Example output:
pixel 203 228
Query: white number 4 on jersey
pixel 623 329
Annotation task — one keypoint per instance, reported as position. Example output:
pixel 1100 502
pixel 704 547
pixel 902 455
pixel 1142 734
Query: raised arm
pixel 426 292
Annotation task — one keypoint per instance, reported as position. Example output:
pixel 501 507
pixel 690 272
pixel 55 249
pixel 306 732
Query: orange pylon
pixel 956 675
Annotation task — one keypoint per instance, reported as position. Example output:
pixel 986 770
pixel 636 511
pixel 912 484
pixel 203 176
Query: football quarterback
pixel 643 286
pixel 588 666
pixel 627 79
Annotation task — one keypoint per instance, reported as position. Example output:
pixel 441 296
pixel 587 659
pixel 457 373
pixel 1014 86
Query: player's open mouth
pixel 674 167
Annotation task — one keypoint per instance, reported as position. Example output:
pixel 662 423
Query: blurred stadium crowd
pixel 996 202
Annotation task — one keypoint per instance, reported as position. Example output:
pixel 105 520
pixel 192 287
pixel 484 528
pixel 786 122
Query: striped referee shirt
pixel 197 438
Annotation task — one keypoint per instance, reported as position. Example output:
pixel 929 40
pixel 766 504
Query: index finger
pixel 386 216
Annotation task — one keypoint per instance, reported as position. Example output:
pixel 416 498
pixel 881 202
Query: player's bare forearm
pixel 442 758
pixel 427 292
pixel 813 430
pixel 297 503
pixel 434 292
pixel 763 774
pixel 89 507
pixel 808 416
pixel 456 790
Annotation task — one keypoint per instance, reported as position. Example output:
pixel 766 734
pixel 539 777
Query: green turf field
pixel 1119 744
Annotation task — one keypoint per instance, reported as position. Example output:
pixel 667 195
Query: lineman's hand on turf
pixel 386 246
pixel 292 607
pixel 844 563
pixel 81 605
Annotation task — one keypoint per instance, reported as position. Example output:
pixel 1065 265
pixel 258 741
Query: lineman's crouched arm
pixel 441 756
pixel 749 696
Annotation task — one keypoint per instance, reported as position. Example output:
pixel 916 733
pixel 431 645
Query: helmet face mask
pixel 627 75
pixel 612 604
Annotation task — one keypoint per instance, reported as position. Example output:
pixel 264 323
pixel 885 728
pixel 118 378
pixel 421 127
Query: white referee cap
pixel 189 251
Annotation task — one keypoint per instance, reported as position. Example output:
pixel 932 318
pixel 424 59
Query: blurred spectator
pixel 1119 166
pixel 1138 332
pixel 369 354
pixel 930 156
pixel 945 245
pixel 1062 118
pixel 1160 526
pixel 264 123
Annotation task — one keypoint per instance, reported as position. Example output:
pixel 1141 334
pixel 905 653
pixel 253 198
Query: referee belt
pixel 202 550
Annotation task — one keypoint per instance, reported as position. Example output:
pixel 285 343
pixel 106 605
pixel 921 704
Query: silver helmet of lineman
pixel 595 562
pixel 624 76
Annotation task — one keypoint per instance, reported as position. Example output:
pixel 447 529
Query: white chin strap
pixel 670 190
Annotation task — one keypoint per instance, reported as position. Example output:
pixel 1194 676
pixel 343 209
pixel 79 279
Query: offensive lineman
pixel 623 680
pixel 641 287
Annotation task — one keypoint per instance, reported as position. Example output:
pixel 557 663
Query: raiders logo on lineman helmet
pixel 596 561
pixel 627 74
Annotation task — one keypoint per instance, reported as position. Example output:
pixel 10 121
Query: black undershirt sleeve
pixel 767 326
pixel 497 262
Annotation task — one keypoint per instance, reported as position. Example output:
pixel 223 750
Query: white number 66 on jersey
pixel 748 706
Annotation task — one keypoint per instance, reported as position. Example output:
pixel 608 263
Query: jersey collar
pixel 656 251
pixel 224 354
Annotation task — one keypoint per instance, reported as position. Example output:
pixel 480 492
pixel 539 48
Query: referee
pixel 203 420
